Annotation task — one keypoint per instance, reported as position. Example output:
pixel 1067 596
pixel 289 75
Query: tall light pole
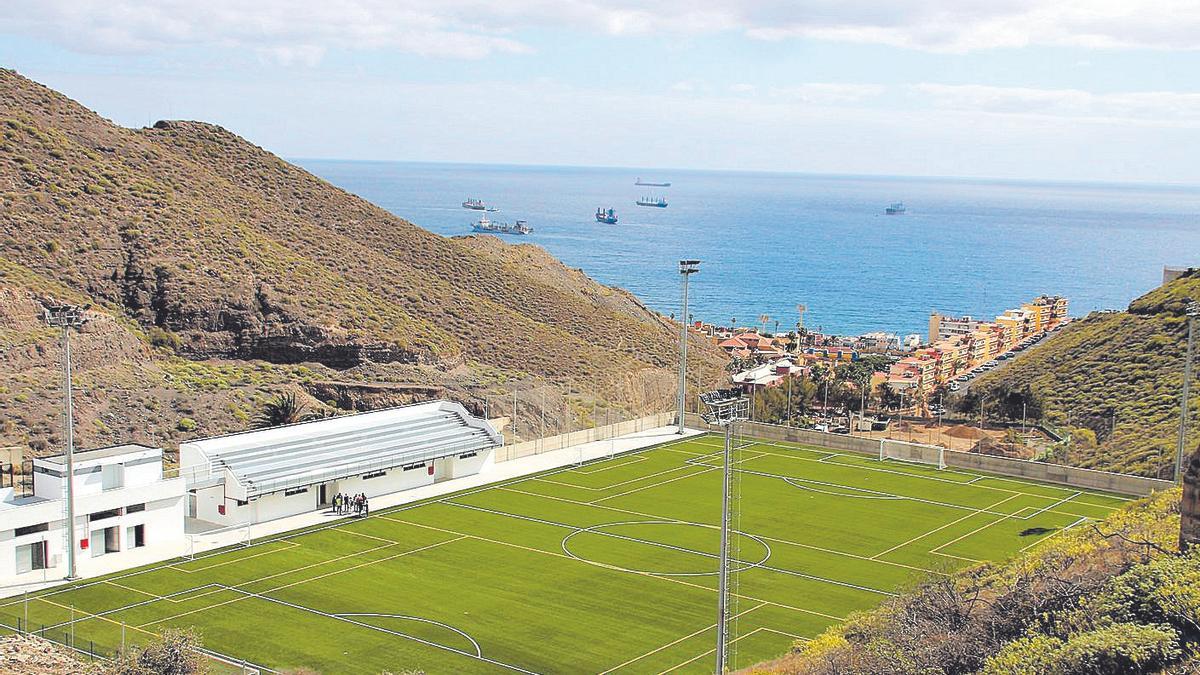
pixel 66 317
pixel 1193 310
pixel 726 407
pixel 686 269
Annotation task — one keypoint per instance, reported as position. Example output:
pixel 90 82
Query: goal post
pixel 234 536
pixel 912 452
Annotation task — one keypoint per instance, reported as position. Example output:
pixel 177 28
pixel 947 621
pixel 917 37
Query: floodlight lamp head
pixel 64 316
pixel 689 266
pixel 1193 309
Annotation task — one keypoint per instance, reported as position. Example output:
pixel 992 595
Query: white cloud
pixel 1162 107
pixel 301 30
pixel 828 93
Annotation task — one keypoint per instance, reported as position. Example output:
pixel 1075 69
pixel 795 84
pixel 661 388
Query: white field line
pixel 882 494
pixel 363 624
pixel 613 485
pixel 613 465
pixel 673 580
pixel 647 487
pixel 734 640
pixel 177 566
pixel 829 456
pixel 675 642
pixel 939 529
pixel 478 649
pixel 1054 534
pixel 302 581
pixel 658 544
pixel 796 483
pixel 690 522
pixel 977 476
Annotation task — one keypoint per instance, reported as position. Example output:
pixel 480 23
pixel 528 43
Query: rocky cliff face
pixel 224 274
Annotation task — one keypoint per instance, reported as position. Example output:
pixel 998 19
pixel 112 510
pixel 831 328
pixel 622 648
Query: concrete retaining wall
pixel 540 445
pixel 1006 466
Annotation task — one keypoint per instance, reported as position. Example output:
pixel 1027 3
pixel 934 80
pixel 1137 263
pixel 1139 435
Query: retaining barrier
pixel 539 445
pixel 1072 476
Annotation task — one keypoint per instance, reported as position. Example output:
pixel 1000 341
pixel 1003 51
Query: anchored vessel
pixel 639 181
pixel 488 227
pixel 660 202
pixel 608 216
pixel 895 209
pixel 477 205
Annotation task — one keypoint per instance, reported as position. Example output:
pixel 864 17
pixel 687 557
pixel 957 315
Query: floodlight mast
pixel 686 269
pixel 66 317
pixel 726 407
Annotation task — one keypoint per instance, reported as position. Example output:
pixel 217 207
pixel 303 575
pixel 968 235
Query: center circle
pixel 668 548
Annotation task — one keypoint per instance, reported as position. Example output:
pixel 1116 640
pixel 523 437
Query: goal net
pixel 912 452
pixel 211 540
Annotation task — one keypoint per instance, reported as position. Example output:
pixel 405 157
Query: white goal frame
pixel 227 537
pixel 919 453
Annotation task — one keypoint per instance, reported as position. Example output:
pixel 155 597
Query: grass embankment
pixel 1118 375
pixel 1112 597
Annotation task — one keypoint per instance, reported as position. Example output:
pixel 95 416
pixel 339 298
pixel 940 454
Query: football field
pixel 606 567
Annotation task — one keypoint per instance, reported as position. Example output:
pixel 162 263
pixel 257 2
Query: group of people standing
pixel 347 505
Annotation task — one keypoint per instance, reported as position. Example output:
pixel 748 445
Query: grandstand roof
pixel 295 455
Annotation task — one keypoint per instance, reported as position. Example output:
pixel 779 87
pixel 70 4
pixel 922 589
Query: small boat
pixel 477 205
pixel 488 227
pixel 895 209
pixel 607 216
pixel 660 202
pixel 639 181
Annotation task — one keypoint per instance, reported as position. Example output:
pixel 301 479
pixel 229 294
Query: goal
pixel 227 537
pixel 912 452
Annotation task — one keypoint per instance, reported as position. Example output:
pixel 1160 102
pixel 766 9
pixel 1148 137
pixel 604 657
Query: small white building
pixel 124 507
pixel 257 476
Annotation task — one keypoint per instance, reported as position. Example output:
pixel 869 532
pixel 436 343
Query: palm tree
pixel 283 409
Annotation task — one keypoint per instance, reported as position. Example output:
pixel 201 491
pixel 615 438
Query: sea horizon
pixel 770 240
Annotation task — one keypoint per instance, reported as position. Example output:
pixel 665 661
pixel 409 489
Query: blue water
pixel 771 241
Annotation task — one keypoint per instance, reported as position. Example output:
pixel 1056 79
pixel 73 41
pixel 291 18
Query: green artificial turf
pixel 605 567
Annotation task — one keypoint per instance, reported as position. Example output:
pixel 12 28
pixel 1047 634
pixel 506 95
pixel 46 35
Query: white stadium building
pixel 256 476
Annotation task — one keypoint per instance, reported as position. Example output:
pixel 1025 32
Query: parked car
pixel 954 386
pixel 991 364
pixel 962 378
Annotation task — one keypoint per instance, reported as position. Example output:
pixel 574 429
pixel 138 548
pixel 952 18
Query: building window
pixel 31 557
pixel 135 508
pixel 374 474
pixel 30 529
pixel 295 491
pixel 413 467
pixel 468 455
pixel 101 515
pixel 135 537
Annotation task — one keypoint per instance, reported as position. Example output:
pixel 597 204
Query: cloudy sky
pixel 1054 89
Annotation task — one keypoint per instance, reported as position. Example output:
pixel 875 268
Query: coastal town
pixel 880 372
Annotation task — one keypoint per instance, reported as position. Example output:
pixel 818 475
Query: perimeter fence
pixel 1046 472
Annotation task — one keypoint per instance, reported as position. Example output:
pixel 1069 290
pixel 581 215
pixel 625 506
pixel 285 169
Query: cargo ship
pixel 488 227
pixel 660 202
pixel 649 184
pixel 477 205
pixel 607 216
pixel 895 209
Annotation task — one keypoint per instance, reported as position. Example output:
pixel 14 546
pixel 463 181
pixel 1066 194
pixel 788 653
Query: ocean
pixel 771 241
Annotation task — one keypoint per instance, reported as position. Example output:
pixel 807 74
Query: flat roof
pixel 297 455
pixel 99 453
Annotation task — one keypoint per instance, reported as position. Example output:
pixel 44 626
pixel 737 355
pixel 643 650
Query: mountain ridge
pixel 208 249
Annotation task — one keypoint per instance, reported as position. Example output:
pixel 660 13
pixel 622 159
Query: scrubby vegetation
pixel 1117 374
pixel 1111 598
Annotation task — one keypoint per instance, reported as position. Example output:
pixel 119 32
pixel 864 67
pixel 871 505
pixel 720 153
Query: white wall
pixel 163 521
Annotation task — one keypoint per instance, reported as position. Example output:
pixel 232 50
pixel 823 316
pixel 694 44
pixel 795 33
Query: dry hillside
pixel 219 274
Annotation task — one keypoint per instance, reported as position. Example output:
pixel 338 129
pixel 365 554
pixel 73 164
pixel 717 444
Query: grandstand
pixel 261 475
